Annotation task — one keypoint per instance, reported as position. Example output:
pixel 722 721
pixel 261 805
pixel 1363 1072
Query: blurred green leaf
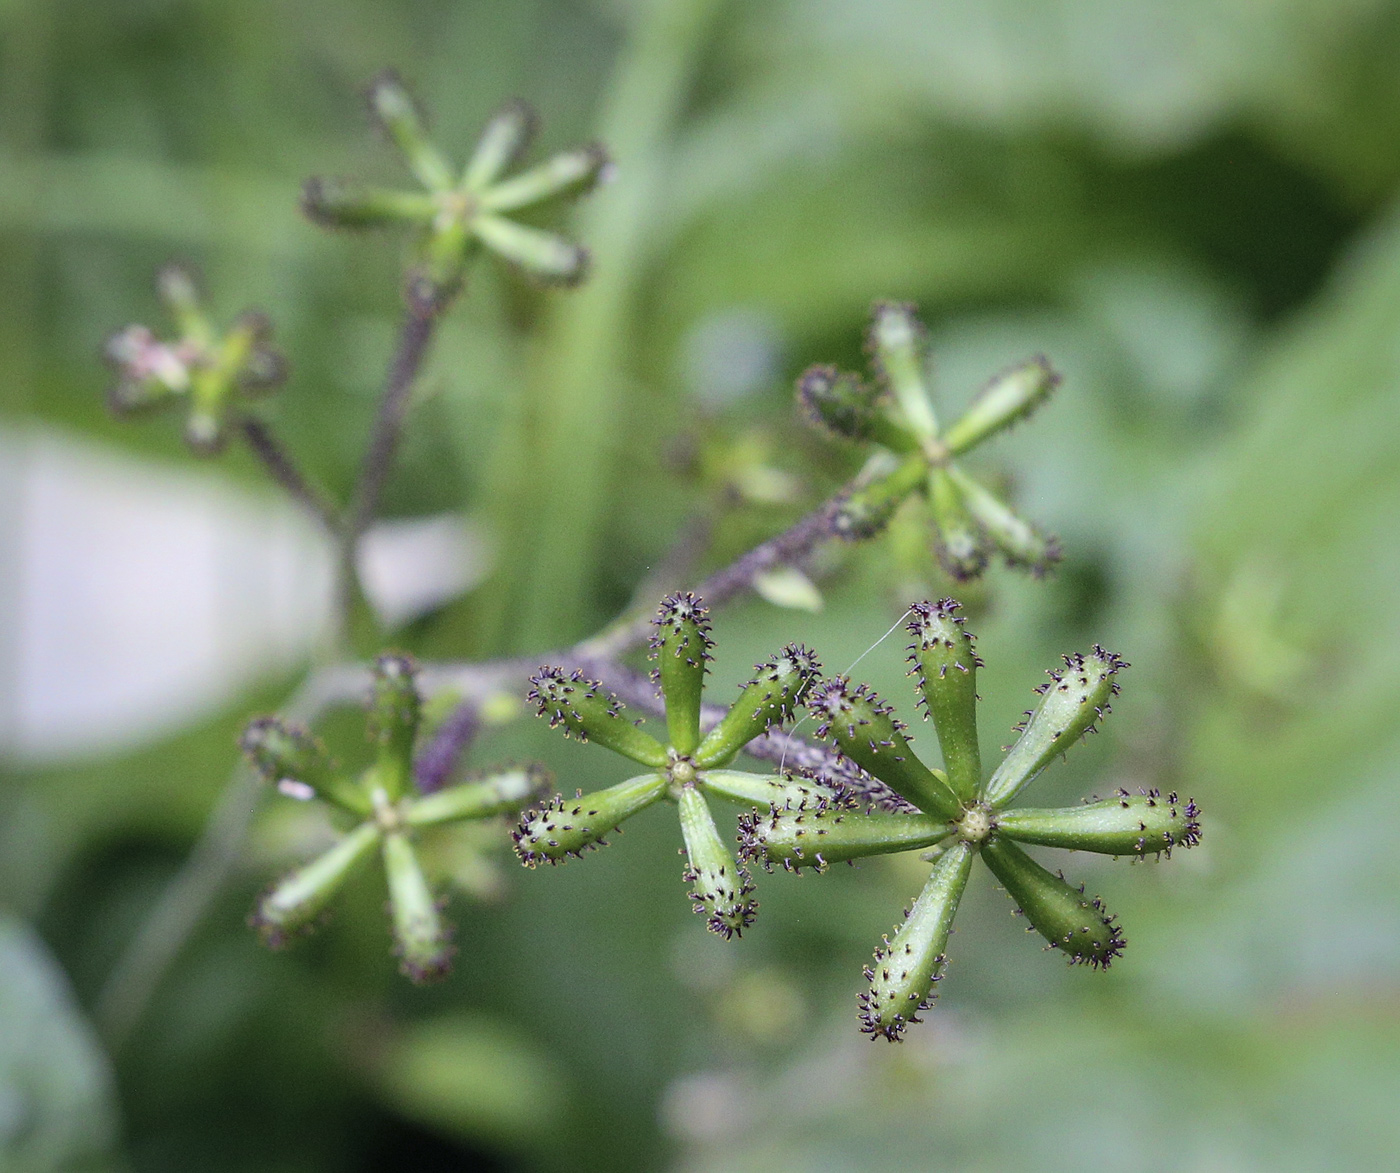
pixel 57 1105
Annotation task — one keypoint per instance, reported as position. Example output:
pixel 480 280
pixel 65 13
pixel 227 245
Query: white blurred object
pixel 410 567
pixel 136 596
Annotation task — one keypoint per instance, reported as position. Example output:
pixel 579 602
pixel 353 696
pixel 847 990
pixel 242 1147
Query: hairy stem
pixel 278 463
pixel 415 337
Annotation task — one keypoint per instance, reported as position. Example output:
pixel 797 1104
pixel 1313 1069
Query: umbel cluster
pixel 952 814
pixel 871 795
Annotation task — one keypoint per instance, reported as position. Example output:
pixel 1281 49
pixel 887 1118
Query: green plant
pixel 955 814
pixel 385 809
pixel 864 794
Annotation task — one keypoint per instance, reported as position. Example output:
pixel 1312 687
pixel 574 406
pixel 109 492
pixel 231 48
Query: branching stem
pixel 279 464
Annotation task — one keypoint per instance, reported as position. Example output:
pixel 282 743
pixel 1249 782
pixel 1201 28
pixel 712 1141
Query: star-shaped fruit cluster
pixel 383 814
pixel 687 768
pixel 956 814
pixel 457 213
pixel 209 372
pixel 895 412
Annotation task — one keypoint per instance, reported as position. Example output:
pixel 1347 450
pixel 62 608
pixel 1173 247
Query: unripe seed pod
pixel 681 647
pixel 546 256
pixel 499 794
pixel 942 655
pixel 1063 915
pixel 568 173
pixel 720 888
pixel 867 509
pixel 1128 824
pixel 395 110
pixel 870 736
pixel 589 712
pixel 906 968
pixel 959 544
pixel 422 939
pixel 284 752
pixel 394 712
pixel 898 345
pixel 1010 396
pixel 1020 543
pixel 291 905
pixel 178 290
pixel 761 789
pixel 569 826
pixel 840 403
pixel 820 833
pixel 1072 703
pixel 503 140
pixel 343 203
pixel 770 698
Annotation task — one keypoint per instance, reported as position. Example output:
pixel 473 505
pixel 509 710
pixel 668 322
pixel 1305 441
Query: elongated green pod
pixel 178 290
pixel 1129 824
pixel 720 888
pixel 1063 915
pixel 422 939
pixel 569 826
pixel 343 203
pixel 500 793
pixel 866 731
pixel 762 789
pixel 589 712
pixel 821 833
pixel 945 662
pixel 1071 705
pixel 395 110
pixel 546 256
pixel 898 345
pixel 293 760
pixel 681 647
pixel 778 686
pixel 1008 397
pixel 959 544
pixel 1020 543
pixel 395 709
pixel 840 403
pixel 567 173
pixel 867 509
pixel 906 969
pixel 503 140
pixel 293 904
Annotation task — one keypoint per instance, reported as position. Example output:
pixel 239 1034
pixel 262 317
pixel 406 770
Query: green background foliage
pixel 1188 206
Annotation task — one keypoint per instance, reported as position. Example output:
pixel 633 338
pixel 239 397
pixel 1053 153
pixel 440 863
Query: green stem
pixel 577 388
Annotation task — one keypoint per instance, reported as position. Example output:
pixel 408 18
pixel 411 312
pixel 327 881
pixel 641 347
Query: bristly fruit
pixel 681 648
pixel 1064 916
pixel 961 815
pixel 943 656
pixel 720 888
pixel 898 415
pixel 589 712
pixel 563 827
pixel 395 709
pixel 771 698
pixel 1072 703
pixel 1146 823
pixel 1010 396
pixel 866 731
pixel 905 969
